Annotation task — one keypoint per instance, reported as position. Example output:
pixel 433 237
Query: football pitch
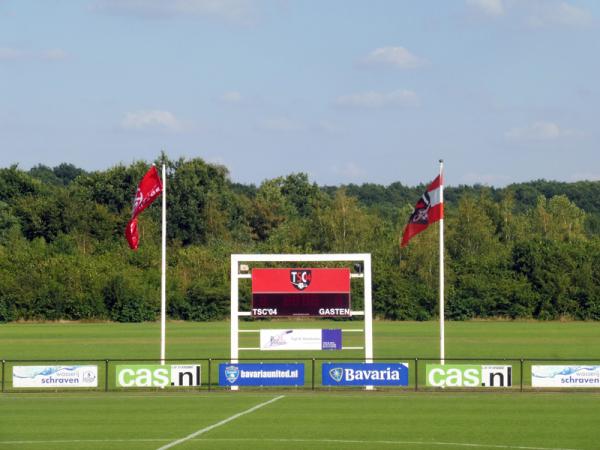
pixel 300 420
pixel 272 418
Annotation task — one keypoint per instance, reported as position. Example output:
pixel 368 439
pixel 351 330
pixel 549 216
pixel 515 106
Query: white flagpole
pixel 163 277
pixel 442 342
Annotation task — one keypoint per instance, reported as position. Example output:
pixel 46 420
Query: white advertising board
pixel 55 376
pixel 301 339
pixel 565 376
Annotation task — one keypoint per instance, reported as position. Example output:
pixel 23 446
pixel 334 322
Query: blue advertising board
pixel 261 374
pixel 365 374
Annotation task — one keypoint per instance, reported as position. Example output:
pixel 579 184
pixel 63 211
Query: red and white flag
pixel 429 209
pixel 148 190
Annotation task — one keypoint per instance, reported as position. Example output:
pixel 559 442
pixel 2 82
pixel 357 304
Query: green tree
pixel 344 227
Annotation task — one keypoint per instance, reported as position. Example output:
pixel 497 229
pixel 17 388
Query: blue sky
pixel 346 91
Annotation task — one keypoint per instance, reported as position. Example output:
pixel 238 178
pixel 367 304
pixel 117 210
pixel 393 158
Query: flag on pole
pixel 148 190
pixel 429 209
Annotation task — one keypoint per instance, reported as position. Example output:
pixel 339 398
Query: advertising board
pixel 301 339
pixel 268 374
pixel 155 375
pixel 565 376
pixel 468 375
pixel 318 292
pixel 55 376
pixel 364 374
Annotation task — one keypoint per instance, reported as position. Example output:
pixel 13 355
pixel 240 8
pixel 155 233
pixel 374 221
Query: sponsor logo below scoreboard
pixel 55 376
pixel 365 374
pixel 301 339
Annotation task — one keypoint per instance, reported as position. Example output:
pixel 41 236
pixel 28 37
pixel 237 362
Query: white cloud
pixel 10 54
pixel 535 13
pixel 327 126
pixel 16 54
pixel 541 131
pixel 231 97
pixel 151 119
pixel 349 169
pixel 280 124
pixel 373 99
pixel 492 8
pixel 233 10
pixel 488 179
pixel 55 54
pixel 397 57
pixel 587 176
pixel 217 160
pixel 560 13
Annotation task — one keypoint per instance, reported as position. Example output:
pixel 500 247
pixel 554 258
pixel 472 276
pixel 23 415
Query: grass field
pixel 493 339
pixel 292 419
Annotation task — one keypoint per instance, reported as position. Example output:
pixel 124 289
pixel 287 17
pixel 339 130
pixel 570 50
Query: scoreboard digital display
pixel 322 292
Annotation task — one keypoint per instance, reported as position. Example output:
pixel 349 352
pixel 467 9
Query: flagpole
pixel 163 277
pixel 442 342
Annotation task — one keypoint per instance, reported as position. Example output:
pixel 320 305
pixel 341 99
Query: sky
pixel 346 91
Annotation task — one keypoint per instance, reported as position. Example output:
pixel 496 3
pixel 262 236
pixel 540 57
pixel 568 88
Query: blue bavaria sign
pixel 261 374
pixel 365 374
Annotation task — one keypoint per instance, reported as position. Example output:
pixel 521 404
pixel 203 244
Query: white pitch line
pixel 356 441
pixel 81 441
pixel 291 440
pixel 218 424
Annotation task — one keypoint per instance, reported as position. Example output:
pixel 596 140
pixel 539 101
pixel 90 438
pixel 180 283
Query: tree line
pixel 529 250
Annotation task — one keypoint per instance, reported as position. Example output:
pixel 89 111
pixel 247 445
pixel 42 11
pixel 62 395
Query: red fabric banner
pixel 429 209
pixel 148 190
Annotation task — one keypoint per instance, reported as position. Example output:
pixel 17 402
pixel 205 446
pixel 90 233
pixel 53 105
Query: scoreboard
pixel 316 292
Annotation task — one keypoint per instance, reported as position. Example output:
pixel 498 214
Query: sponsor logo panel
pixel 154 375
pixel 301 339
pixel 364 374
pixel 331 339
pixel 565 376
pixel 261 374
pixel 468 375
pixel 55 376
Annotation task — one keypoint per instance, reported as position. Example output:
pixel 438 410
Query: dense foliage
pixel 529 250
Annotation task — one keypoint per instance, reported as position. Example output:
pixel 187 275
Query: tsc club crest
pixel 232 373
pixel 336 374
pixel 420 214
pixel 300 278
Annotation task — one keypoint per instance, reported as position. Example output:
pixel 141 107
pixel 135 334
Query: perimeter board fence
pixel 301 374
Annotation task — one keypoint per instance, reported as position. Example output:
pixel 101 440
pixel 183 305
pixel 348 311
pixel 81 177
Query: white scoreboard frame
pixel 364 258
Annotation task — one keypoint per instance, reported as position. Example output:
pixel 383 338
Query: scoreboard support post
pixel 363 258
pixel 235 274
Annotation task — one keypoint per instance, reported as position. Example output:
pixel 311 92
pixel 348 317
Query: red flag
pixel 429 209
pixel 149 188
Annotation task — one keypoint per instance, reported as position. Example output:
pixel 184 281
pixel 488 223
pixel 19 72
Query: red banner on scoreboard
pixel 301 292
pixel 295 281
